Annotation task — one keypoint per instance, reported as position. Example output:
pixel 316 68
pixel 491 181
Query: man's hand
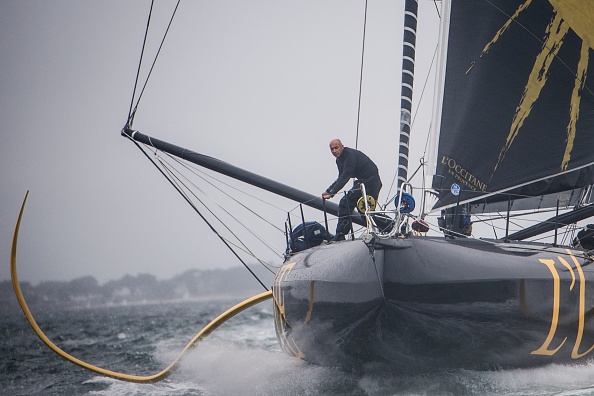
pixel 326 195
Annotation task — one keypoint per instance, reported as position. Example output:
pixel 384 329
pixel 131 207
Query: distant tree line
pixel 86 291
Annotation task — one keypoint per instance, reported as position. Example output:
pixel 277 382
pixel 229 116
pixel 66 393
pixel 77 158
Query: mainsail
pixel 517 111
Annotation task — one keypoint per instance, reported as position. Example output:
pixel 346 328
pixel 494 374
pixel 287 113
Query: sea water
pixel 242 357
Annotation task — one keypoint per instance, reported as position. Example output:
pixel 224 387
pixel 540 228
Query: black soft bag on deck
pixel 307 235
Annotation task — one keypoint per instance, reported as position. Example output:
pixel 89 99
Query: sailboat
pixel 513 132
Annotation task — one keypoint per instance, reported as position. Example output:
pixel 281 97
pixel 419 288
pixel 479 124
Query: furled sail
pixel 517 111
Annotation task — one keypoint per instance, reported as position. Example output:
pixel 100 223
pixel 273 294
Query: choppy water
pixel 240 358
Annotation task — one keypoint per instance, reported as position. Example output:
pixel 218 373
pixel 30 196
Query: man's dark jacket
pixel 354 164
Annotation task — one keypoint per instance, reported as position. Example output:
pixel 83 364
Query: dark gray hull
pixel 426 304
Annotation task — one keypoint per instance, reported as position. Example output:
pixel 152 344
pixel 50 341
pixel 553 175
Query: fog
pixel 264 85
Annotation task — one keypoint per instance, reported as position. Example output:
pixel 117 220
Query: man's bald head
pixel 336 147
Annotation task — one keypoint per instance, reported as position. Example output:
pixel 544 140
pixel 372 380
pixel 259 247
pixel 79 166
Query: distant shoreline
pixel 193 285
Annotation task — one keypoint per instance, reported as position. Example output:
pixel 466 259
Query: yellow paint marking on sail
pixel 579 14
pixel 574 109
pixel 555 34
pixel 504 28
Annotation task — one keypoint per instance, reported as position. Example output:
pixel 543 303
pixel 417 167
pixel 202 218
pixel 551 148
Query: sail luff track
pixel 408 69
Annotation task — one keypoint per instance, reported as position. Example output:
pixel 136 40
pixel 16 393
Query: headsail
pixel 517 112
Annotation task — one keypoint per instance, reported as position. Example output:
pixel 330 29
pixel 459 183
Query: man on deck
pixel 351 163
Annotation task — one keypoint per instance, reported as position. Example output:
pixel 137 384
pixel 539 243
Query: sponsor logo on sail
pixel 463 175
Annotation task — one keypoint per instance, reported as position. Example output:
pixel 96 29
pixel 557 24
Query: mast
pixel 237 173
pixel 408 69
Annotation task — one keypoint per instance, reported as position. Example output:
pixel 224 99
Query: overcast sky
pixel 264 85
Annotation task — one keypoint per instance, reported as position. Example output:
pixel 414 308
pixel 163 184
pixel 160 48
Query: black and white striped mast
pixel 408 69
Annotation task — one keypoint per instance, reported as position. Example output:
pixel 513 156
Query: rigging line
pixel 181 175
pixel 415 117
pixel 361 75
pixel 303 203
pixel 195 170
pixel 490 223
pixel 207 330
pixel 436 8
pixel 204 175
pixel 511 215
pixel 264 264
pixel 200 214
pixel 176 179
pixel 390 200
pixel 544 237
pixel 245 249
pixel 129 122
pixel 131 116
pixel 569 234
pixel 423 189
pixel 565 227
pixel 379 280
pixel 421 99
pixel 295 213
pixel 582 82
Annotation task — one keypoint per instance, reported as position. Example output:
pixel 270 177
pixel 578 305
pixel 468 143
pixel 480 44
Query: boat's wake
pixel 224 368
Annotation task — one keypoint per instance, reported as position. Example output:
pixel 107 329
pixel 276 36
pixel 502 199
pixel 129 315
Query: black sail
pixel 517 113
